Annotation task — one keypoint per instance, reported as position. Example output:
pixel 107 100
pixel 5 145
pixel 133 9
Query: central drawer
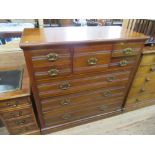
pixel 72 84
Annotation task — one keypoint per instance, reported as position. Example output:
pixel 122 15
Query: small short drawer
pixel 51 72
pixel 51 57
pixel 122 62
pixel 134 46
pixel 15 113
pixel 14 103
pixel 24 130
pixel 91 58
pixel 12 123
pixel 148 59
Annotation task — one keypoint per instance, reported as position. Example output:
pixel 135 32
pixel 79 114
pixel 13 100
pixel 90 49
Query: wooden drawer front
pixel 65 117
pixel 51 72
pixel 24 130
pixel 13 103
pixel 17 113
pixel 83 84
pixel 126 49
pixel 51 57
pixel 91 61
pixel 145 70
pixel 12 123
pixel 122 62
pixel 136 46
pixel 146 79
pixel 82 99
pixel 148 59
pixel 141 98
pixel 91 58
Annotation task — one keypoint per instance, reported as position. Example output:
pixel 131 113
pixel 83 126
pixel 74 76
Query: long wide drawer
pixel 57 118
pixel 87 98
pixel 83 83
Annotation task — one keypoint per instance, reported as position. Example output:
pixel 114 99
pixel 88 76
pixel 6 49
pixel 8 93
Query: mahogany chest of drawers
pixel 80 74
pixel 142 92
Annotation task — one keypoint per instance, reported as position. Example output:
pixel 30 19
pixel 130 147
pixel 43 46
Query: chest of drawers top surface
pixel 71 35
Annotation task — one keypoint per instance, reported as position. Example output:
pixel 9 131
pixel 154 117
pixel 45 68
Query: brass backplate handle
pixel 53 72
pixel 111 78
pixel 128 51
pixel 65 101
pixel 92 61
pixel 107 93
pixel 66 116
pixel 152 69
pixel 64 85
pixel 123 63
pixel 52 57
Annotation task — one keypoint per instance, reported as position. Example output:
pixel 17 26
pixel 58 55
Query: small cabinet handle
pixel 16 115
pixel 92 61
pixel 66 116
pixel 147 79
pixel 128 51
pixel 142 90
pixel 12 105
pixel 53 72
pixel 65 85
pixel 152 69
pixel 52 57
pixel 65 102
pixel 123 63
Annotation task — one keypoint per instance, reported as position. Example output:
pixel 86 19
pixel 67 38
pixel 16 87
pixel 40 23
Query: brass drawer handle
pixel 53 72
pixel 147 79
pixel 111 78
pixel 65 102
pixel 20 122
pixel 12 105
pixel 152 69
pixel 52 56
pixel 64 85
pixel 16 115
pixel 128 51
pixel 92 61
pixel 107 93
pixel 103 108
pixel 137 100
pixel 66 116
pixel 123 63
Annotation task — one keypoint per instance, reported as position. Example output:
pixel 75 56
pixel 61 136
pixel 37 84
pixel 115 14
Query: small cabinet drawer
pixel 92 58
pixel 12 123
pixel 83 83
pixel 82 99
pixel 148 59
pixel 15 113
pixel 14 103
pixel 24 130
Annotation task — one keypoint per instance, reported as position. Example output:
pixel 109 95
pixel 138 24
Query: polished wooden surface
pixel 71 35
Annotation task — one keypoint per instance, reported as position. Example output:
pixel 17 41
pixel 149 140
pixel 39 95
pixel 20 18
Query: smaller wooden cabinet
pixel 142 92
pixel 16 109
